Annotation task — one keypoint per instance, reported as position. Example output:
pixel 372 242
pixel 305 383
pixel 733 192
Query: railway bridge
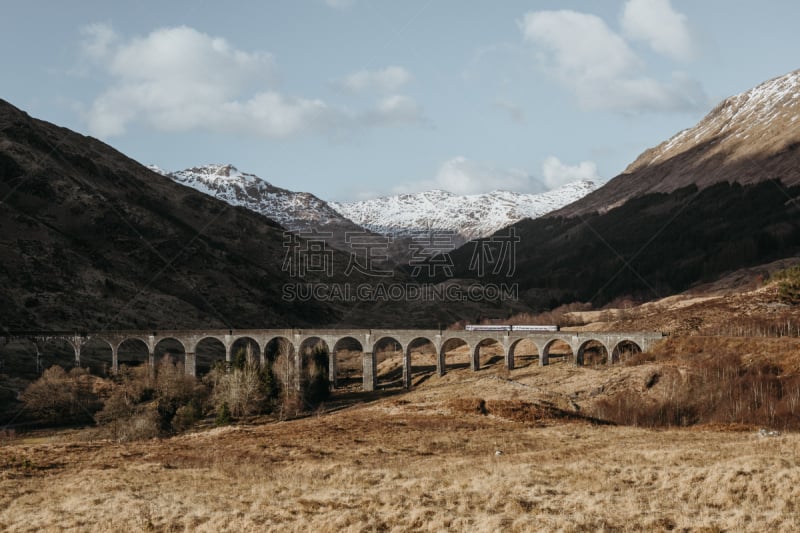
pixel 369 341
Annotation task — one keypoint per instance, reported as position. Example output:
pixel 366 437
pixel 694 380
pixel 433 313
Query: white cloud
pixel 389 79
pixel 99 38
pixel 391 108
pixel 395 109
pixel 460 175
pixel 177 79
pixel 275 115
pixel 556 173
pixel 583 45
pixel 599 66
pixel 658 24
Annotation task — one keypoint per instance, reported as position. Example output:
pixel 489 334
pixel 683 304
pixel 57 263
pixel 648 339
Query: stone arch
pixel 592 352
pixel 57 350
pixel 26 355
pixel 463 360
pixel 487 352
pixel 563 350
pixel 171 350
pixel 129 356
pixel 388 353
pixel 244 344
pixel 523 352
pixel 347 362
pixel 97 355
pixel 279 355
pixel 427 353
pixel 313 360
pixel 623 349
pixel 208 351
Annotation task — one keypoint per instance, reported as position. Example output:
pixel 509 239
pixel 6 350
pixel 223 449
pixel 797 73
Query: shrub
pixel 788 285
pixel 117 412
pixel 242 389
pixel 144 424
pixel 144 406
pixel 223 415
pixel 62 397
pixel 714 389
pixel 185 417
pixel 172 383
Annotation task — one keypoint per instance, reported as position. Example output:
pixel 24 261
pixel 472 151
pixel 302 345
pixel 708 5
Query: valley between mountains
pixel 698 239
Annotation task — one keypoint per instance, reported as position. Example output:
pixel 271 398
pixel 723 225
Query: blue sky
pixel 351 99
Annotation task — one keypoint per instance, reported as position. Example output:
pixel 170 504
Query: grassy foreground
pixel 434 459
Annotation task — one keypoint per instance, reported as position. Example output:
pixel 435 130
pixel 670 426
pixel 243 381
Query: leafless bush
pixel 116 412
pixel 171 381
pixel 715 389
pixel 241 389
pixel 785 325
pixel 629 408
pixel 244 388
pixel 144 424
pixel 60 396
pixel 143 406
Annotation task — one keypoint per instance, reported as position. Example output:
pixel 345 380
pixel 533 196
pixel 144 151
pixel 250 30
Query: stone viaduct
pixel 369 341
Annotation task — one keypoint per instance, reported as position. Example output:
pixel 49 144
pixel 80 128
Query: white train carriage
pixel 487 327
pixel 506 327
pixel 533 328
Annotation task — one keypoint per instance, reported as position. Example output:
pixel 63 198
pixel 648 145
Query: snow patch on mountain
pixel 296 211
pixel 468 216
pixel 754 122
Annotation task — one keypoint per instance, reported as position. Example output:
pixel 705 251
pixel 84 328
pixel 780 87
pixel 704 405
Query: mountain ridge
pixel 714 198
pixel 747 138
pixel 467 216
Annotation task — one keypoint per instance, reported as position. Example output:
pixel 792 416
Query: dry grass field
pixel 495 450
pixel 492 451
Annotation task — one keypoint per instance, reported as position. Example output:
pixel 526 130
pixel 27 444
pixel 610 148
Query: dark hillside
pixel 90 238
pixel 654 245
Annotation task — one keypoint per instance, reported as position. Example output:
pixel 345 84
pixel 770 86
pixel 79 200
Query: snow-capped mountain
pixel 750 123
pixel 469 216
pixel 746 139
pixel 297 211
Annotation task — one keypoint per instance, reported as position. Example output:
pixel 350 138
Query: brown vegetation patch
pixel 526 412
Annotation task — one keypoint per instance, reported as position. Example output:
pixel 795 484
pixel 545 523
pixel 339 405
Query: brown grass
pixel 426 460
